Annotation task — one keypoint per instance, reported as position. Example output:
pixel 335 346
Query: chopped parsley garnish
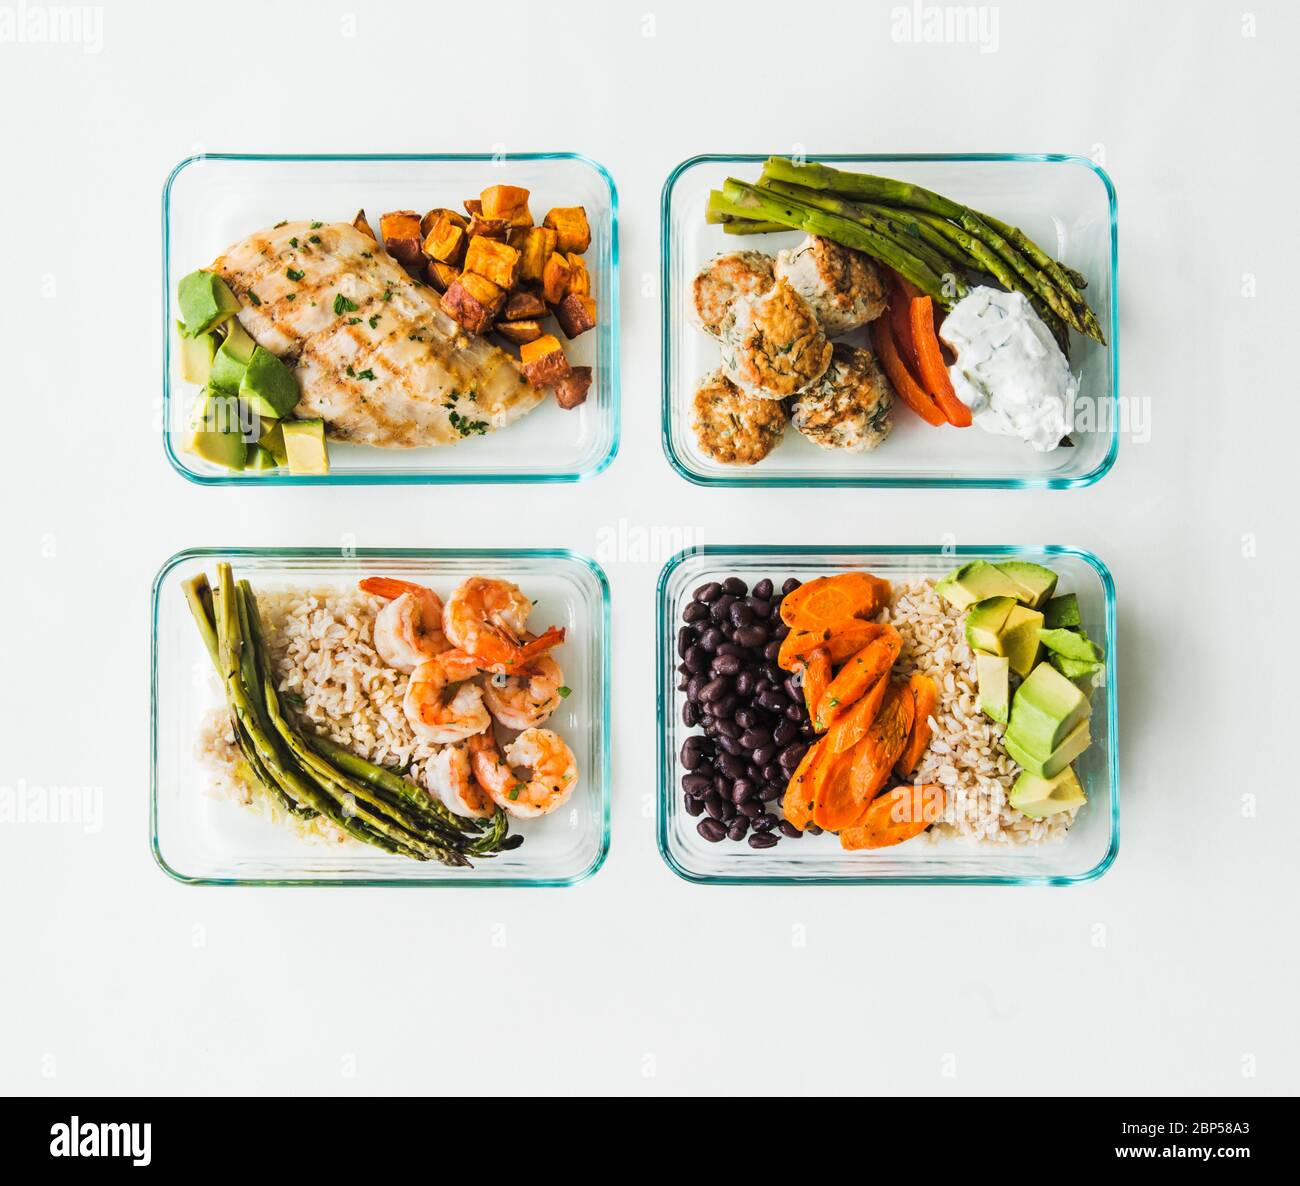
pixel 467 427
pixel 414 338
pixel 294 274
pixel 343 305
pixel 315 225
pixel 354 320
pixel 252 296
pixel 314 239
pixel 294 241
pixel 293 296
pixel 366 374
pixel 564 692
pixel 374 320
pixel 514 791
pixel 388 294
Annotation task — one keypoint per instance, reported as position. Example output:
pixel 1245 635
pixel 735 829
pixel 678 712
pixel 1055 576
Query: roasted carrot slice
pixel 858 675
pixel 841 644
pixel 816 679
pixel 797 803
pixel 895 816
pixel 907 388
pixel 838 798
pixel 933 372
pixel 841 802
pixel 925 696
pixel 828 602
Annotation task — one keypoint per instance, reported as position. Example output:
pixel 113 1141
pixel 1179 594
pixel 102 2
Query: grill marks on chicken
pixel 376 357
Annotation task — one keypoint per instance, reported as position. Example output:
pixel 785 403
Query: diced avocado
pixel 1062 613
pixel 268 386
pixel 1019 638
pixel 1072 644
pixel 1037 797
pixel 215 435
pixel 985 621
pixel 304 441
pixel 1074 668
pixel 1034 582
pixel 195 355
pixel 272 440
pixel 1074 743
pixel 995 685
pixel 977 581
pixel 259 459
pixel 232 359
pixel 204 301
pixel 1045 709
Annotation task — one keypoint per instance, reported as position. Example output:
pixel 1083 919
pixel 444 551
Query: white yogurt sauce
pixel 1009 370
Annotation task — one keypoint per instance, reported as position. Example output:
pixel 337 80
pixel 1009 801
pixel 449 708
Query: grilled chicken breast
pixel 375 356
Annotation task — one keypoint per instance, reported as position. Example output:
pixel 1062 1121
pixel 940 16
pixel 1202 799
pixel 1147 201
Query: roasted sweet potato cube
pixel 490 258
pixel 445 240
pixel 490 228
pixel 508 202
pixel 473 206
pixel 362 224
pixel 426 223
pixel 402 238
pixel 442 276
pixel 519 332
pixel 472 302
pixel 576 314
pixel 572 389
pixel 543 361
pixel 524 305
pixel 570 223
pixel 555 278
pixel 538 243
pixel 579 277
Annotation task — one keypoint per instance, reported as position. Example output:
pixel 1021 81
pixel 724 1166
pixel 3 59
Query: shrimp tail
pixel 389 588
pixel 551 637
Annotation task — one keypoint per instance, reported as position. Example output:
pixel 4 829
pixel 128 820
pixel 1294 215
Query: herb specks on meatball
pixel 733 428
pixel 842 286
pixel 772 344
pixel 850 407
pixel 722 280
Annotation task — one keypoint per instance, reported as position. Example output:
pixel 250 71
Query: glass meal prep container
pixel 1085 853
pixel 213 201
pixel 200 836
pixel 1065 203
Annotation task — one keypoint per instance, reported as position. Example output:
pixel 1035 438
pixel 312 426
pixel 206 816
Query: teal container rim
pixel 414 478
pixel 665 633
pixel 445 882
pixel 868 481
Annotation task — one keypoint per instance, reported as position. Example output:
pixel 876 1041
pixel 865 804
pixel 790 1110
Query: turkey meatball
pixel 842 286
pixel 733 428
pixel 849 408
pixel 772 344
pixel 721 280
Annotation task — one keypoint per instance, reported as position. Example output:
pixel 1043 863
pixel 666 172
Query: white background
pixel 1177 971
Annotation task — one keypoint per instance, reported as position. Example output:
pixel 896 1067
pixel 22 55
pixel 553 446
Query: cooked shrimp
pixel 526 699
pixel 551 766
pixel 449 776
pixel 487 619
pixel 434 715
pixel 408 630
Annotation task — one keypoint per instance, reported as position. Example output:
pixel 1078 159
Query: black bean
pixel 762 756
pixel 772 772
pixel 807 731
pixel 696 785
pixel 711 639
pixel 706 770
pixel 685 640
pixel 732 766
pixel 722 785
pixel 697 659
pixel 720 610
pixel 770 791
pixel 751 809
pixel 763 589
pixel 743 790
pixel 726 664
pixel 715 689
pixel 755 739
pixel 794 712
pixel 750 636
pixel 711 830
pixel 710 592
pixel 766 822
pixel 725 707
pixel 690 714
pixel 713 805
pixel 681 684
pixel 735 586
pixel 729 729
pixel 694 611
pixel 746 718
pixel 730 648
pixel 788 829
pixel 733 746
pixel 754 773
pixel 779 629
pixel 693 806
pixel 761 685
pixel 792 755
pixel 745 683
pixel 785 733
pixel 772 651
pixel 773 699
pixel 741 615
pixel 693 686
pixel 737 828
pixel 762 610
pixel 813 830
pixel 790 586
pixel 762 840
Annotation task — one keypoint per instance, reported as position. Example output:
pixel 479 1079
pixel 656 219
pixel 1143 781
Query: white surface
pixel 1176 972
